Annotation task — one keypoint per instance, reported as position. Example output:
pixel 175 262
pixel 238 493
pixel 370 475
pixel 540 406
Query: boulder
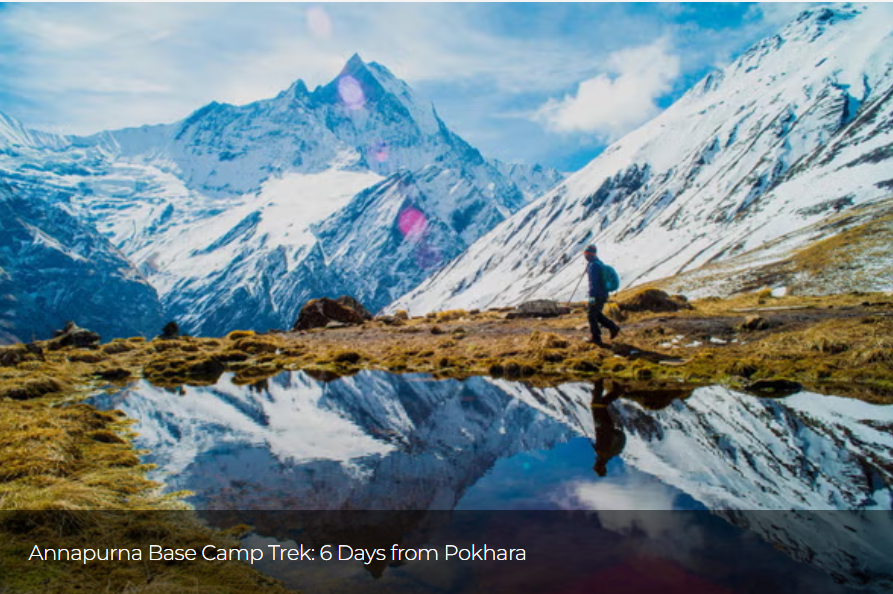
pixel 74 336
pixel 390 320
pixel 170 330
pixel 653 300
pixel 538 308
pixel 351 303
pixel 318 313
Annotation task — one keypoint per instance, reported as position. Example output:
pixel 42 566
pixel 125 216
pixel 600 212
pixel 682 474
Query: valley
pixel 218 330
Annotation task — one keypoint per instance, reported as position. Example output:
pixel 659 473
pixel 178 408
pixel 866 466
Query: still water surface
pixel 378 441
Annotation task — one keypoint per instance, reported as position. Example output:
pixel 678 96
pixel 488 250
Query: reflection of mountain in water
pixel 744 456
pixel 733 451
pixel 408 442
pixel 383 441
pixel 372 441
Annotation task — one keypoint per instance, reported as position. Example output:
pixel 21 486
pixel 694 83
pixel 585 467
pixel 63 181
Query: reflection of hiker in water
pixel 609 436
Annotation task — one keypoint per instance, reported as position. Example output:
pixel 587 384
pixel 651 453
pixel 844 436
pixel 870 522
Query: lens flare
pixel 318 22
pixel 351 92
pixel 427 256
pixel 380 151
pixel 412 223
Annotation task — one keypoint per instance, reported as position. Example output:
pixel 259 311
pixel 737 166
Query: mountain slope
pixel 797 128
pixel 239 214
pixel 53 268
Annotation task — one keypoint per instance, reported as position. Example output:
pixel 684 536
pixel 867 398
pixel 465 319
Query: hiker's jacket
pixel 609 436
pixel 597 288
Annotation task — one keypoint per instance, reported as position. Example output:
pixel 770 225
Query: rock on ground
pixel 74 335
pixel 351 303
pixel 538 308
pixel 170 330
pixel 753 323
pixel 319 313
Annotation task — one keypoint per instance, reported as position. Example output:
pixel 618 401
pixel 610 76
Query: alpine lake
pixel 603 485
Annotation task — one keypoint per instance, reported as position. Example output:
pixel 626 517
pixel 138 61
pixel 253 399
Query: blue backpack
pixel 610 278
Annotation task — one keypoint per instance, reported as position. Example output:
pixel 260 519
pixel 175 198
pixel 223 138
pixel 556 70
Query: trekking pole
pixel 575 289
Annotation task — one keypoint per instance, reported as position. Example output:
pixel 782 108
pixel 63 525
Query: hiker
pixel 598 296
pixel 609 435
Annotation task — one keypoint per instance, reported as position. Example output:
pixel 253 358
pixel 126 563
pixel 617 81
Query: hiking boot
pixel 595 341
pixel 614 332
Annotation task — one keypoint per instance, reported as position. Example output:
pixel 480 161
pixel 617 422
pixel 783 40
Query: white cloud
pixel 80 68
pixel 779 13
pixel 613 103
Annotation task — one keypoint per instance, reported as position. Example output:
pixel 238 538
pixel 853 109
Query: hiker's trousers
pixel 597 319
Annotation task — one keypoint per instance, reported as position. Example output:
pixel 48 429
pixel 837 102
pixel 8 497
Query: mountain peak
pixel 812 22
pixel 355 62
pixel 369 72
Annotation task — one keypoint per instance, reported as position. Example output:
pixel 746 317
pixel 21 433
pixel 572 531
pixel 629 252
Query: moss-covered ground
pixel 834 344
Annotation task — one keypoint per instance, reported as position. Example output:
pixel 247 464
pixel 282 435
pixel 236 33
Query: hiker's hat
pixel 590 250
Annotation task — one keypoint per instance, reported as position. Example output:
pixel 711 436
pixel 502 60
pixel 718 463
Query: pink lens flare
pixel 318 22
pixel 380 152
pixel 412 223
pixel 427 256
pixel 351 92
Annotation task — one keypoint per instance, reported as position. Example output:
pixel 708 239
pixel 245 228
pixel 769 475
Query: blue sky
pixel 550 83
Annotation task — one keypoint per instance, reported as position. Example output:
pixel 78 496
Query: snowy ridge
pixel 769 145
pixel 13 135
pixel 238 215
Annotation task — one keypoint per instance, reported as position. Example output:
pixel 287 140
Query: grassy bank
pixel 64 458
pixel 57 463
pixel 835 344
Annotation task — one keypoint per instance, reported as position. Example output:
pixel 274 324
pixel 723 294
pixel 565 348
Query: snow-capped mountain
pixel 239 214
pixel 14 134
pixel 53 268
pixel 795 130
pixel 364 120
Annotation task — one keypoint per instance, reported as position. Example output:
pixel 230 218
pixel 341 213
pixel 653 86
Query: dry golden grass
pixel 131 530
pixel 237 334
pixel 839 251
pixel 70 478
